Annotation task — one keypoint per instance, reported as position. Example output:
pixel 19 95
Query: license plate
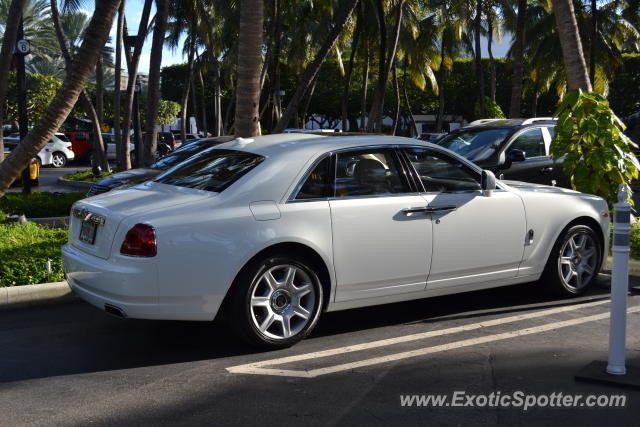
pixel 88 232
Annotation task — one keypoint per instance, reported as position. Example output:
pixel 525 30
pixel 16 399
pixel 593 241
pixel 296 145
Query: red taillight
pixel 173 144
pixel 140 241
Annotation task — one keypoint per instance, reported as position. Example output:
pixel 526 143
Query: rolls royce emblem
pixel 85 216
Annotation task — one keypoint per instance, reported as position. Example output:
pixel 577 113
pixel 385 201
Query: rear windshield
pixel 181 154
pixel 211 170
pixel 474 143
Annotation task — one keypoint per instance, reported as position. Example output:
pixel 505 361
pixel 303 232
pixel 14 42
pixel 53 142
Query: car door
pixel 537 167
pixel 557 175
pixel 381 236
pixel 476 238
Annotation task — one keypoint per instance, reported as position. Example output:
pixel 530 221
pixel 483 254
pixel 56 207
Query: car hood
pixel 528 186
pixel 129 178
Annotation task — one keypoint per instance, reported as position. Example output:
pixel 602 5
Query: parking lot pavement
pixel 72 364
pixel 48 180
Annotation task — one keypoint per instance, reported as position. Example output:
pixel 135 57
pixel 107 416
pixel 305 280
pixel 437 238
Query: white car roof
pixel 306 144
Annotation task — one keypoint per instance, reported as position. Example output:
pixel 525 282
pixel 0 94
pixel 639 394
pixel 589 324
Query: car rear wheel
pixel 275 302
pixel 58 159
pixel 574 262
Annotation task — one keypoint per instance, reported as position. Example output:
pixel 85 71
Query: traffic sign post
pixel 23 47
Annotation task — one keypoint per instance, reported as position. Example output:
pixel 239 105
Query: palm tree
pixel 518 60
pixel 247 122
pixel 575 65
pixel 9 40
pixel 344 11
pixel 153 99
pixel 60 107
pixel 99 156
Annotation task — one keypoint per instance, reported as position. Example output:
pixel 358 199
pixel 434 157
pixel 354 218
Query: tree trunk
pixel 227 116
pixel 131 84
pixel 249 67
pixel 478 54
pixel 99 158
pixel 100 90
pixel 8 43
pixel 593 42
pixel 576 68
pixel 276 111
pixel 312 89
pixel 117 130
pixel 377 105
pixel 56 113
pixel 311 71
pixel 185 90
pixel 518 61
pixel 441 74
pixel 406 99
pixel 153 94
pixel 396 113
pixel 365 87
pixel 492 64
pixel 205 127
pixel 347 77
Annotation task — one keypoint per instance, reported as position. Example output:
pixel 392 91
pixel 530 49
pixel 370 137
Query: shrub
pixel 492 110
pixel 24 252
pixel 87 175
pixel 39 205
pixel 598 155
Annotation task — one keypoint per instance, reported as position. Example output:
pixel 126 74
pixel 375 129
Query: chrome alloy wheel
pixel 58 160
pixel 578 260
pixel 282 301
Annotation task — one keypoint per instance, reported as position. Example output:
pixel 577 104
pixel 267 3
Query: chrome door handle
pixel 409 211
pixel 442 209
pixel 546 169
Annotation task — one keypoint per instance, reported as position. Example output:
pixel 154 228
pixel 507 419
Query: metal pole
pixel 23 120
pixel 619 283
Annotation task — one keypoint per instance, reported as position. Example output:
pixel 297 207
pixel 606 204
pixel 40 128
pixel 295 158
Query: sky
pixel 133 12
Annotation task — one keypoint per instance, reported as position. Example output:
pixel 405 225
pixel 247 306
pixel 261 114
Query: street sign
pixel 23 47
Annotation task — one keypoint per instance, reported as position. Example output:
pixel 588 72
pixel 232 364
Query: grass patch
pixel 39 205
pixel 24 252
pixel 88 176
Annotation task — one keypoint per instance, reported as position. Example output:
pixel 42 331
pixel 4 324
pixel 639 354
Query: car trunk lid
pixel 94 221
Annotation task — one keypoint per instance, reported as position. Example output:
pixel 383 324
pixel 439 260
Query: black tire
pixel 558 266
pixel 242 317
pixel 58 160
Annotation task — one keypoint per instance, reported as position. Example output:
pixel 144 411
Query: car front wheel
pixel 58 160
pixel 574 262
pixel 275 302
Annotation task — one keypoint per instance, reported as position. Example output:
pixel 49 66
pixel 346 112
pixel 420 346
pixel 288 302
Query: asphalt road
pixel 72 364
pixel 48 180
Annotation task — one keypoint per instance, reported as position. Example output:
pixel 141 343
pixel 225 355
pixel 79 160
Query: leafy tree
pixel 167 111
pixel 598 155
pixel 491 110
pixel 41 90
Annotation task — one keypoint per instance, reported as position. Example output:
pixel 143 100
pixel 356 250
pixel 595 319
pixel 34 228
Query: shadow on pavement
pixel 76 338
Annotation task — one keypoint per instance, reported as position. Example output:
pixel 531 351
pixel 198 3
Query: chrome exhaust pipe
pixel 114 311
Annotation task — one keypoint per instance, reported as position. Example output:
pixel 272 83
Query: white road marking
pixel 260 368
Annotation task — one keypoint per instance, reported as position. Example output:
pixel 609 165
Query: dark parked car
pixel 516 149
pixel 137 176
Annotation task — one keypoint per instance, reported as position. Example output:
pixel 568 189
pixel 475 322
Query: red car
pixel 80 143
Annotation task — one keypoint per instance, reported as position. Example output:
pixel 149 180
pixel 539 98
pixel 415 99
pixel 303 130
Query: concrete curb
pixel 30 295
pixel 81 185
pixel 52 221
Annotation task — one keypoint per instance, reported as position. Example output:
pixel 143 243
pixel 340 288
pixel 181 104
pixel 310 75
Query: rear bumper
pixel 130 285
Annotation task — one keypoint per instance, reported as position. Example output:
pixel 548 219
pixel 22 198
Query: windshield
pixel 180 155
pixel 211 170
pixel 474 144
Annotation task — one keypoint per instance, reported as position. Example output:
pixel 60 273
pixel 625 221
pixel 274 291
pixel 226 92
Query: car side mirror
pixel 516 155
pixel 488 183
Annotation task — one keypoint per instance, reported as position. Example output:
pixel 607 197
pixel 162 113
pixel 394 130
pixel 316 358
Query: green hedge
pixel 39 205
pixel 88 175
pixel 24 252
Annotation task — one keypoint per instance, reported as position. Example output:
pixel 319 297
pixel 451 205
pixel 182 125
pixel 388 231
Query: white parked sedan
pixel 273 230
